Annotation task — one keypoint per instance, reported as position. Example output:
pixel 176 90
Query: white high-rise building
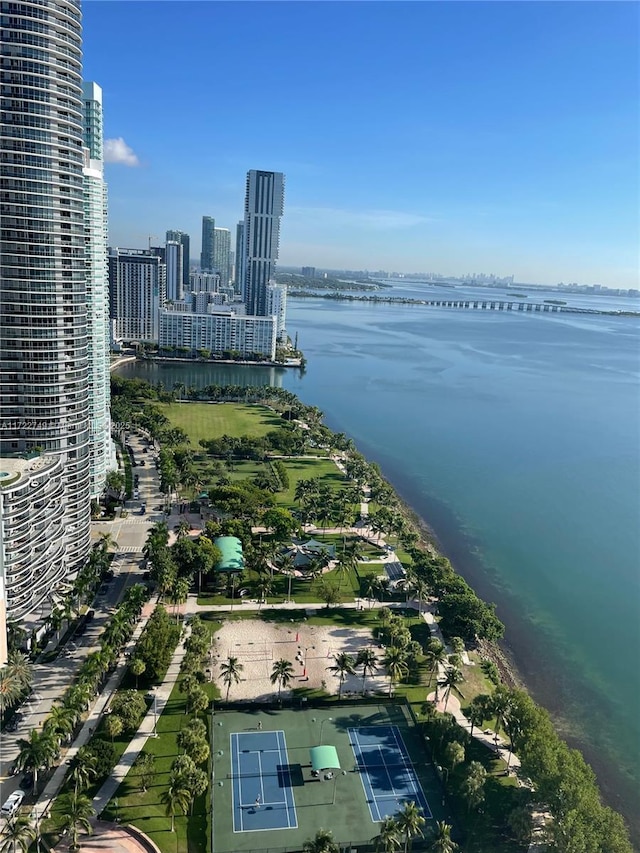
pixel 95 229
pixel 238 283
pixel 137 289
pixel 182 237
pixel 174 262
pixel 263 207
pixel 222 255
pixel 277 307
pixel 199 281
pixel 44 336
pixel 219 332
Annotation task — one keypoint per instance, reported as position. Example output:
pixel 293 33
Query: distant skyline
pixel 452 137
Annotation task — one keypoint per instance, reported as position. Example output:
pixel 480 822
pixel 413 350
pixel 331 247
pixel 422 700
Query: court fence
pixel 369 846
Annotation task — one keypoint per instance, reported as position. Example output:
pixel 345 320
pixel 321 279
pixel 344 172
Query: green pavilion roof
pixel 231 550
pixel 324 758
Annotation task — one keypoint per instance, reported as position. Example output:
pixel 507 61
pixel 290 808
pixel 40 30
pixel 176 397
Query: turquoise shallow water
pixel 517 438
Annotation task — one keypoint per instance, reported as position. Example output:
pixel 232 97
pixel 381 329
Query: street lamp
pixel 155 713
pixel 444 782
pixel 37 820
pixel 335 782
pixel 326 720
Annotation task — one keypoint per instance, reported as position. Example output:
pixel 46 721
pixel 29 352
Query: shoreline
pixel 514 655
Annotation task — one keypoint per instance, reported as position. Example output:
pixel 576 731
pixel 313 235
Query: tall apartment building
pixel 222 255
pixel 208 243
pixel 238 281
pixel 182 237
pixel 44 347
pixel 218 331
pixel 137 289
pixel 173 259
pixel 204 281
pixel 263 207
pixel 95 230
pixel 277 307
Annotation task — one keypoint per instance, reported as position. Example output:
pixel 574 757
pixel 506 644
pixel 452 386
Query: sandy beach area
pixel 310 648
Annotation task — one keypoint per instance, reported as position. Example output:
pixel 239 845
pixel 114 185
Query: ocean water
pixel 517 438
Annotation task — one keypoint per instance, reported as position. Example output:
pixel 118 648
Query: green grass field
pixel 211 420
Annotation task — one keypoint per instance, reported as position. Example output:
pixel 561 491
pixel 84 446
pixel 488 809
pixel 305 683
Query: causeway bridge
pixel 547 307
pixel 503 305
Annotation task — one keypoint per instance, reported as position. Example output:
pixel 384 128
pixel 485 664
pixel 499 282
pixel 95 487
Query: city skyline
pixel 448 136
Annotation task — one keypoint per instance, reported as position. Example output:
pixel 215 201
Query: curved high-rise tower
pixel 44 389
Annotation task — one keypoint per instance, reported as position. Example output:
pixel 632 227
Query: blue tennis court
pixel 262 791
pixel 388 778
pixel 395 571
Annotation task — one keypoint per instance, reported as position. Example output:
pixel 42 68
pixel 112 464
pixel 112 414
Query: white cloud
pixel 117 151
pixel 383 220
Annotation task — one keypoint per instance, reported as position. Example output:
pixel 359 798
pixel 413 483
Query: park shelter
pixel 324 758
pixel 231 550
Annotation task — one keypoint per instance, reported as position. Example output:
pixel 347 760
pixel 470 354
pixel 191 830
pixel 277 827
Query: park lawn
pixel 475 681
pixel 301 468
pixel 145 809
pixel 211 420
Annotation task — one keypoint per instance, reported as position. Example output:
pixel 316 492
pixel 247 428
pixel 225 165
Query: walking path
pixel 147 727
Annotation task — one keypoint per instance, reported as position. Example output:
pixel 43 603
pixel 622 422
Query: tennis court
pixel 395 571
pixel 388 777
pixel 261 782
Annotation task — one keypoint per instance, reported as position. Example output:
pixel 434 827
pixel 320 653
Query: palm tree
pixel 473 786
pixel 106 542
pixel 17 834
pixel 479 710
pixel 281 674
pixel 36 751
pixel 322 843
pixel 137 668
pixel 83 769
pixel 500 705
pixel 175 798
pixel 76 813
pixel 230 671
pixel 182 528
pixel 20 667
pixel 9 689
pixel 179 593
pixel 395 662
pixel 452 677
pixel 436 654
pixel 368 660
pixel 389 839
pixel 344 665
pixel 410 822
pixel 443 842
pixel 113 726
pixel 60 722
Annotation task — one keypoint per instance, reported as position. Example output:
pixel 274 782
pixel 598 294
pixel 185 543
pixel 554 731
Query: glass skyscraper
pixel 263 207
pixel 44 256
pixel 95 229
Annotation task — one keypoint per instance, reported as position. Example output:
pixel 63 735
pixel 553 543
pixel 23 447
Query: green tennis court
pixel 333 798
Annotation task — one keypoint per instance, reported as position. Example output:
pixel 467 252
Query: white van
pixel 12 804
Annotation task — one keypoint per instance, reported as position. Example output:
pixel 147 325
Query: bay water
pixel 516 437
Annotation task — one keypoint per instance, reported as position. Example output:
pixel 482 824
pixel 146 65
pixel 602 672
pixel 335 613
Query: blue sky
pixel 449 137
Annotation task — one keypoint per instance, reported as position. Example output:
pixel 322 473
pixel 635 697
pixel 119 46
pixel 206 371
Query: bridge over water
pixel 503 305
